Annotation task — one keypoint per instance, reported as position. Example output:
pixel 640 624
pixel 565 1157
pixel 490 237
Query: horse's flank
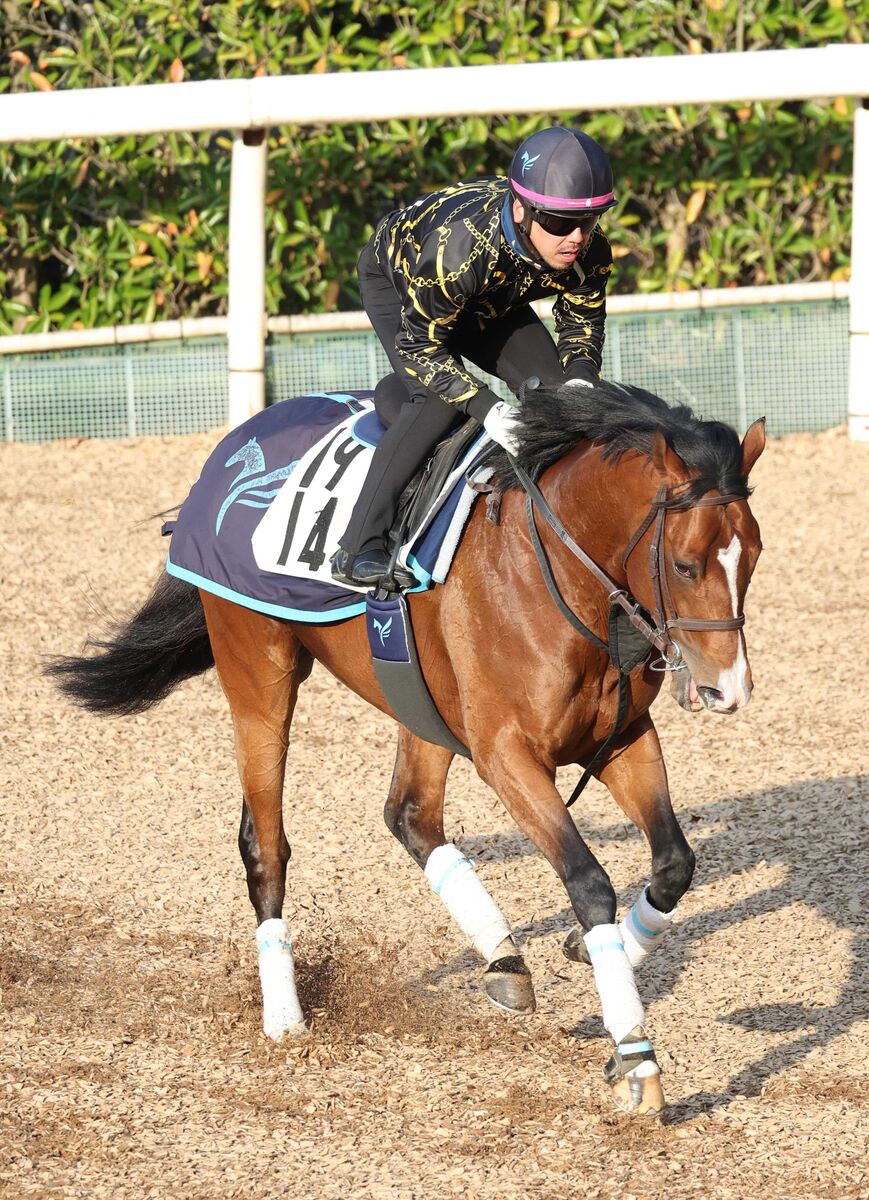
pixel 493 648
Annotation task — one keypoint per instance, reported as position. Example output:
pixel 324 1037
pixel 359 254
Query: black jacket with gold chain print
pixel 456 253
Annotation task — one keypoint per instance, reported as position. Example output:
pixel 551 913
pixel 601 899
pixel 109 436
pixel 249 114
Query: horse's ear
pixel 667 463
pixel 753 444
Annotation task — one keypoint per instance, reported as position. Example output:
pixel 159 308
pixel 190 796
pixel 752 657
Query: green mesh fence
pixel 788 362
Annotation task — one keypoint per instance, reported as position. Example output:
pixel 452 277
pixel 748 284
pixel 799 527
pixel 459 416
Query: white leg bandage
pixel 454 879
pixel 282 1012
pixel 643 928
pixel 614 977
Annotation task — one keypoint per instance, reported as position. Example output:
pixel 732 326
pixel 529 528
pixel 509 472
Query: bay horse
pixel 657 498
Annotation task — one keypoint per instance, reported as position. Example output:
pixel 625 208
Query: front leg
pixel 637 780
pixel 414 812
pixel 527 788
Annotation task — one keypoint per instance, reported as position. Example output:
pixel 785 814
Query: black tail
pixel 164 643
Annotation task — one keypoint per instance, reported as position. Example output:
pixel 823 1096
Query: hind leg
pixel 261 666
pixel 414 813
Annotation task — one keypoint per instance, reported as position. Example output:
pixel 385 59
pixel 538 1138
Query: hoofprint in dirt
pixel 131 1058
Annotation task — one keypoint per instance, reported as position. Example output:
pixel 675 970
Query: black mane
pixel 622 418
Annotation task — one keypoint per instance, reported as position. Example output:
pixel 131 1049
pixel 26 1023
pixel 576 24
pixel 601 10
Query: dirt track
pixel 131 1060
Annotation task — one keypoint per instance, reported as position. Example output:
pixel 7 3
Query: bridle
pixel 665 500
pixel 657 629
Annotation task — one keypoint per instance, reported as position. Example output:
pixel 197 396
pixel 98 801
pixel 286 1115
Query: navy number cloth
pixel 263 520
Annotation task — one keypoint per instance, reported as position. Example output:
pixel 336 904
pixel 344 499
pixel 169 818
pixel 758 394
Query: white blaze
pixel 733 682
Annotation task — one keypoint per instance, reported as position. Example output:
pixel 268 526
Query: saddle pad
pixel 263 520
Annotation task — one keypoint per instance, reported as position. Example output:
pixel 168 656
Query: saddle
pixel 423 489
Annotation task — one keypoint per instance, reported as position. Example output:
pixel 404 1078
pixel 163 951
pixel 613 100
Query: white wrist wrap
pixel 643 928
pixel 454 879
pixel 614 977
pixel 282 1012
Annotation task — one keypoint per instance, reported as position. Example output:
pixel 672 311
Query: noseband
pixel 658 631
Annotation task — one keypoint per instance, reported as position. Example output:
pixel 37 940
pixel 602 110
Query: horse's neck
pixel 599 503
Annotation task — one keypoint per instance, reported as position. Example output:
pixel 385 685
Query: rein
pixel 657 636
pixel 657 633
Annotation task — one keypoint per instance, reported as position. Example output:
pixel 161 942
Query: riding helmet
pixel 563 172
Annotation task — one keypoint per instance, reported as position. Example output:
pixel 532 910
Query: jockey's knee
pixel 389 395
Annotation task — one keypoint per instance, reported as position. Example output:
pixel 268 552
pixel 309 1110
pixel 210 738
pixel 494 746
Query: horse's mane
pixel 621 418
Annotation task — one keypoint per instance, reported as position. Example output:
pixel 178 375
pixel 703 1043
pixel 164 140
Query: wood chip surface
pixel 132 1063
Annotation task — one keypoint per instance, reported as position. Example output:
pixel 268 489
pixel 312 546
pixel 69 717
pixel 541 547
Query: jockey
pixel 451 278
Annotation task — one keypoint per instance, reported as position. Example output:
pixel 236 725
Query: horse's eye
pixel 686 570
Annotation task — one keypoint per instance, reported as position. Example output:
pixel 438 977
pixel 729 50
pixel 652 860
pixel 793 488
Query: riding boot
pixel 416 431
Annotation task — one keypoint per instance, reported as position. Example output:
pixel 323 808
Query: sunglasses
pixel 562 226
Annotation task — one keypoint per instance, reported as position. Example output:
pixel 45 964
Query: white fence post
pixel 858 373
pixel 247 300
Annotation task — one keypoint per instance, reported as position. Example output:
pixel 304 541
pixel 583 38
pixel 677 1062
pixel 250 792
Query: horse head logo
pixel 528 162
pixel 250 485
pixel 384 629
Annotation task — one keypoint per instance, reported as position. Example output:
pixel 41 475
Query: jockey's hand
pixel 574 383
pixel 500 423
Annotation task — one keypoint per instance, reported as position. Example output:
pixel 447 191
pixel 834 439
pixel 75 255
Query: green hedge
pixel 102 231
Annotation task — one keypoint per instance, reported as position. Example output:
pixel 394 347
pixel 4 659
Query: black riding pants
pixel 511 347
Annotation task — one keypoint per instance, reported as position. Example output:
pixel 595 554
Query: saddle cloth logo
pixel 299 532
pixel 384 629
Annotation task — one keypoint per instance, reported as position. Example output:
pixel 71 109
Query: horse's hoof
pixel 574 947
pixel 641 1096
pixel 508 985
pixel 279 1032
pixel 635 1077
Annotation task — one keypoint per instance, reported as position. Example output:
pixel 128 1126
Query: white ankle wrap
pixel 454 879
pixel 614 977
pixel 643 928
pixel 282 1012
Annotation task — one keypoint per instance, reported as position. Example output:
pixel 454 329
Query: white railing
pixel 253 105
pixel 356 322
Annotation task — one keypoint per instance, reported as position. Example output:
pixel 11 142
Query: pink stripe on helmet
pixel 546 202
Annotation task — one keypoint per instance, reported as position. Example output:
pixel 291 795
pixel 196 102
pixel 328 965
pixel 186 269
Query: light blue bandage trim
pixel 648 932
pixel 460 862
pixel 276 944
pixel 633 1047
pixel 593 950
pixel 604 946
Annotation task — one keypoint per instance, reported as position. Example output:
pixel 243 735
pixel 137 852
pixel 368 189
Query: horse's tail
pixel 164 643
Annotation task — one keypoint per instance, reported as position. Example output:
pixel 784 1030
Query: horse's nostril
pixel 710 696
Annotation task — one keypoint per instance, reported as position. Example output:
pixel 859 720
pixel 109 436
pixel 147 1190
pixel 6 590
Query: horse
pixel 658 499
